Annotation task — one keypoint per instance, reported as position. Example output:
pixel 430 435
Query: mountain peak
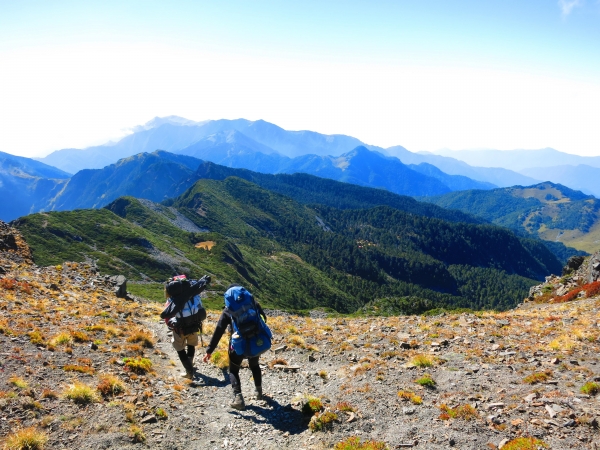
pixel 172 120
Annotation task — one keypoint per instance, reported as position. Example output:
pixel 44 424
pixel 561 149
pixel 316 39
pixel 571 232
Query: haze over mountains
pixel 256 145
pixel 577 172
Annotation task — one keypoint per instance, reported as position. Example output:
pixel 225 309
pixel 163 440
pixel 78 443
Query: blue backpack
pixel 251 335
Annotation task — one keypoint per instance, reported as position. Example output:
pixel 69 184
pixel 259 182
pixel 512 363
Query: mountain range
pixel 295 255
pixel 160 175
pixel 256 145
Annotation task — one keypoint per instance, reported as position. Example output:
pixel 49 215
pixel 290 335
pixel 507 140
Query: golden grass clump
pixel 277 361
pixel 525 443
pixel 410 396
pixel 590 388
pixel 138 365
pixel 36 338
pixel 422 360
pixel 220 359
pixel 345 407
pixel 143 337
pixel 26 439
pixel 80 393
pixel 296 341
pixel 18 382
pixel 80 336
pixel 137 434
pixel 80 369
pixel 63 338
pixel 110 385
pixel 538 377
pixel 354 443
pixel 322 421
pixel 312 405
pixel 464 412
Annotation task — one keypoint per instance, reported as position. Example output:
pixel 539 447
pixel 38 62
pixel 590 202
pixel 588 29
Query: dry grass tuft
pixel 277 361
pixel 525 443
pixel 26 439
pixel 590 388
pixel 322 421
pixel 138 365
pixel 63 338
pixel 110 385
pixel 422 361
pixel 142 337
pixel 80 393
pixel 220 359
pixel 18 382
pixel 354 443
pixel 464 412
pixel 538 377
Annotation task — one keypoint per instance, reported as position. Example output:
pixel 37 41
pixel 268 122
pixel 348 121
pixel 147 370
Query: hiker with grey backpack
pixel 184 315
pixel 249 338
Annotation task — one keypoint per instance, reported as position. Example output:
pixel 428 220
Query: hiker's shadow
pixel 280 417
pixel 206 380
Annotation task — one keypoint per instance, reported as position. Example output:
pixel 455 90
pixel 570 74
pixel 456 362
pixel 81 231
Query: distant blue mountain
pixel 454 182
pixel 174 134
pixel 519 160
pixel 580 177
pixel 495 175
pixel 26 185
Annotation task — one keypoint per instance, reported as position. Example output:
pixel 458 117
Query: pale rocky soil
pixel 478 360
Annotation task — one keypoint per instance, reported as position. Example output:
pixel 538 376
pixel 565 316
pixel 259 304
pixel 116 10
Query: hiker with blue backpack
pixel 184 315
pixel 249 338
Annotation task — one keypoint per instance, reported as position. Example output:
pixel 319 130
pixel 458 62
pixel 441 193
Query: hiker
pixel 249 337
pixel 184 314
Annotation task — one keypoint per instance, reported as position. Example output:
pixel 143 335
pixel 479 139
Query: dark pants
pixel 235 362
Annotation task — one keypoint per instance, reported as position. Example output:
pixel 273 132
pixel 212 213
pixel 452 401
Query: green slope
pixel 295 256
pixel 309 189
pixel 547 211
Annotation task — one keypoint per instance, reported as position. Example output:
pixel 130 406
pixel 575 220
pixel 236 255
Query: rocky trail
pixel 82 368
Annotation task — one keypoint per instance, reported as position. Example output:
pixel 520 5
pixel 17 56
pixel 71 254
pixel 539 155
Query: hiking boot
pixel 259 394
pixel 189 369
pixel 189 374
pixel 238 403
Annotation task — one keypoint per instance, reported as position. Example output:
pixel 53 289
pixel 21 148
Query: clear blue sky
pixel 423 74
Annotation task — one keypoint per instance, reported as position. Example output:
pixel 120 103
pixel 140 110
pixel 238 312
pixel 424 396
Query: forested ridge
pixel 298 256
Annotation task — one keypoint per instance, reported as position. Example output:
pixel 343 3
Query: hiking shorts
pixel 179 342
